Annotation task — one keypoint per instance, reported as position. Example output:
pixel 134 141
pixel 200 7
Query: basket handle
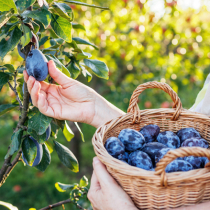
pixel 173 154
pixel 134 108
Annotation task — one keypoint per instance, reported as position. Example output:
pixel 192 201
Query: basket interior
pixel 165 123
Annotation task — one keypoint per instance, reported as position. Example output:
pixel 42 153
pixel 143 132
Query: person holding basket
pixel 73 101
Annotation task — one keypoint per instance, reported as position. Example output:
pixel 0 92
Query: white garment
pixel 202 102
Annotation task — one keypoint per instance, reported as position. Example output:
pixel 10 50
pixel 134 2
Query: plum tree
pixel 30 26
pixel 36 65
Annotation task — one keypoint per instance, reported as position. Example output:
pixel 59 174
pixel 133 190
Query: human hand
pixel 105 193
pixel 70 100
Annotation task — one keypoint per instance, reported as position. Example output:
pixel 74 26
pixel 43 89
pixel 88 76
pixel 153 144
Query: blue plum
pixel 205 160
pixel 36 65
pixel 132 139
pixel 196 162
pixel 29 95
pixel 186 133
pixel 169 138
pixel 152 149
pixel 123 156
pixel 39 154
pixel 48 132
pixel 140 159
pixel 150 132
pixel 178 165
pixel 160 154
pixel 195 142
pixel 114 147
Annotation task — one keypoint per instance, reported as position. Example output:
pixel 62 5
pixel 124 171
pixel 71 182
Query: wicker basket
pixel 158 190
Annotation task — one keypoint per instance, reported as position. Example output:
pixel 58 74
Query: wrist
pixel 104 111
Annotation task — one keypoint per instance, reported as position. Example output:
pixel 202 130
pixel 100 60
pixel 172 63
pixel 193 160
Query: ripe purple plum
pixel 150 132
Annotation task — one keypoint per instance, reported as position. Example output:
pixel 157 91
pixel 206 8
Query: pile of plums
pixel 145 148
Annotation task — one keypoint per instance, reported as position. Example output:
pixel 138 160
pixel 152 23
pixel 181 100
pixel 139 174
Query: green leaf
pixel 36 27
pixel 42 15
pixel 78 26
pixel 29 150
pixel 39 123
pixel 20 69
pixel 5 17
pixel 82 55
pixel 16 142
pixel 66 157
pixel 24 4
pixel 7 107
pixel 8 45
pixel 43 40
pixel 61 27
pixel 10 67
pixel 40 138
pixel 4 78
pixel 88 5
pixel 73 69
pixel 67 132
pixel 63 187
pixel 82 41
pixel 46 159
pixel 49 146
pixel 82 136
pixel 8 205
pixel 58 64
pixel 63 10
pixel 83 182
pixel 98 67
pixel 27 35
pixel 6 5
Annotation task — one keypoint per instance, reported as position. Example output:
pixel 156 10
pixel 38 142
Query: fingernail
pixel 95 160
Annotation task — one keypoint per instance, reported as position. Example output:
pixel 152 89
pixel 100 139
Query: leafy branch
pixel 61 203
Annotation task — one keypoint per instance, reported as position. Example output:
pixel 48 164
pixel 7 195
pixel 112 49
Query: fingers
pixel 35 93
pixel 25 74
pixel 57 75
pixel 95 183
pixel 94 191
pixel 104 178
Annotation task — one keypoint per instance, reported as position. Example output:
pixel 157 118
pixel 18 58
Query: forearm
pixel 104 111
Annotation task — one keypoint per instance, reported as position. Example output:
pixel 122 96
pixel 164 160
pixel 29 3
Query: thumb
pixel 104 178
pixel 57 75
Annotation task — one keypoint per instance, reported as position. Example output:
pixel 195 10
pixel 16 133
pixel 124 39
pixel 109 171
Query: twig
pixel 9 169
pixel 16 93
pixel 61 203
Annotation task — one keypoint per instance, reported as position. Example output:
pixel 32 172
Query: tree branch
pixel 61 203
pixel 7 170
pixel 16 93
pixel 7 165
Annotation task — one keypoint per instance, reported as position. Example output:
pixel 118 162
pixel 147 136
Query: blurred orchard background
pixel 140 41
